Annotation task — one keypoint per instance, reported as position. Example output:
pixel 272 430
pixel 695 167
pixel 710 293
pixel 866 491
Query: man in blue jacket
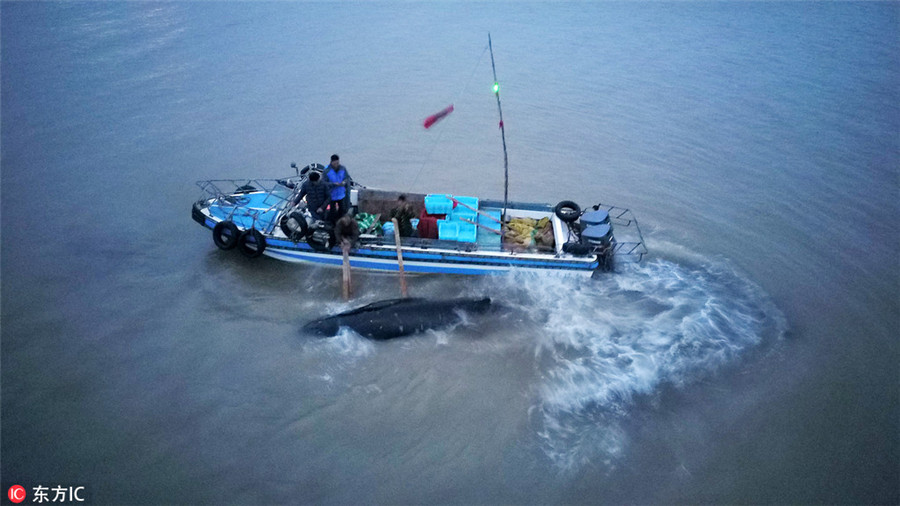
pixel 339 179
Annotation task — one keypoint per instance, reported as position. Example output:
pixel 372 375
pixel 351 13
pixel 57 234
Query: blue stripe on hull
pixel 359 263
pixel 414 262
pixel 449 265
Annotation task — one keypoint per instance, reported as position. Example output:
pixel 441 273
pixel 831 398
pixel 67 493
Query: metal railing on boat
pixel 232 196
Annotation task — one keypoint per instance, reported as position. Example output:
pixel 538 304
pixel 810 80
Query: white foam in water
pixel 604 342
pixel 330 357
pixel 349 344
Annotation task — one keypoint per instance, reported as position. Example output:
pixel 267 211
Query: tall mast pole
pixel 502 134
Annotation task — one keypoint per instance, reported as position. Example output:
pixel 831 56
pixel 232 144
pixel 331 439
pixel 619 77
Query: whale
pixel 392 318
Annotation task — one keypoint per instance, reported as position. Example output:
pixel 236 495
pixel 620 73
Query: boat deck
pixel 258 210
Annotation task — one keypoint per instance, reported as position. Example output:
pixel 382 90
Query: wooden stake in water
pixel 346 268
pixel 403 290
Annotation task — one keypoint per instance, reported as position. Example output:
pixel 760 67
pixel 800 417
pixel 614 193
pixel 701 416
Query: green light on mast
pixel 496 87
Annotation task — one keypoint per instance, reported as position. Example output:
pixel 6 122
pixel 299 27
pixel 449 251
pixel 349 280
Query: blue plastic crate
pixel 468 232
pixel 461 211
pixel 486 238
pixel 438 204
pixel 448 230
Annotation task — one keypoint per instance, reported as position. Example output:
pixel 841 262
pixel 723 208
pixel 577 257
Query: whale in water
pixel 388 319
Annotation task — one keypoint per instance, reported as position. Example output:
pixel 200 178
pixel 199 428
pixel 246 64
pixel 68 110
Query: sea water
pixel 752 357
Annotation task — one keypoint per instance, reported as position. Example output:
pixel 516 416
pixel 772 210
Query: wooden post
pixel 345 246
pixel 403 290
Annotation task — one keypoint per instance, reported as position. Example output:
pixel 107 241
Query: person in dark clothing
pixel 404 213
pixel 317 195
pixel 339 179
pixel 346 231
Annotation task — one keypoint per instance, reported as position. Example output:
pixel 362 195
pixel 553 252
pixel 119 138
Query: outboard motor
pixel 597 234
pixel 596 230
pixel 597 237
pixel 596 217
pixel 593 231
pixel 321 236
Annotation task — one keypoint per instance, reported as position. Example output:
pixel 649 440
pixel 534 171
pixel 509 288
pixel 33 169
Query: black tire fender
pixel 299 235
pixel 313 166
pixel 567 211
pixel 225 235
pixel 252 243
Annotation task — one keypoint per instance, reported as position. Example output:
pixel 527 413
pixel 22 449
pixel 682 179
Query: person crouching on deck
pixel 346 231
pixel 339 179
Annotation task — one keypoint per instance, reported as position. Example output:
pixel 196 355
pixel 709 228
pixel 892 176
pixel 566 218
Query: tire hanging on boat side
pixel 252 243
pixel 225 235
pixel 567 211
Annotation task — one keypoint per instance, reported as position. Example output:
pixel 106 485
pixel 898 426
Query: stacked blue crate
pixel 468 232
pixel 462 216
pixel 448 230
pixel 466 214
pixel 465 209
pixel 438 204
pixel 487 238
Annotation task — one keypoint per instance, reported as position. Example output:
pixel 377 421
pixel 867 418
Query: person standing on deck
pixel 404 214
pixel 337 175
pixel 317 195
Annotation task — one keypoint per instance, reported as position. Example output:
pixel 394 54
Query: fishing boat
pixel 458 234
pixel 255 216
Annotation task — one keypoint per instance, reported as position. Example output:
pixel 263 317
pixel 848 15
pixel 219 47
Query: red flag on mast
pixel 434 118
